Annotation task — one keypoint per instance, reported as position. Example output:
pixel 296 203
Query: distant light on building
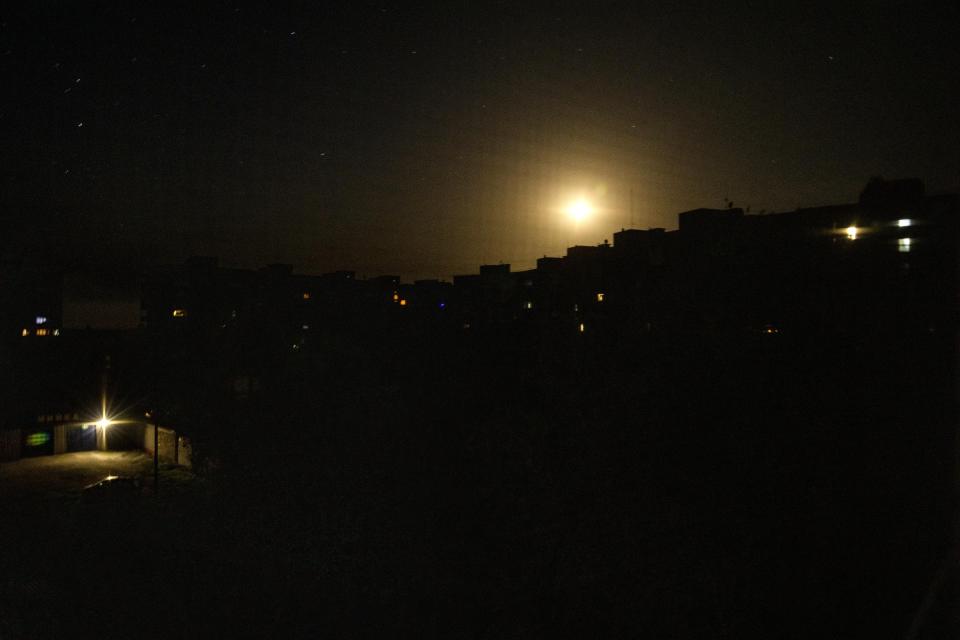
pixel 528 305
pixel 42 332
pixel 179 313
pixel 41 319
pixel 56 332
pixel 306 295
pixel 582 328
pixel 443 305
pixel 852 232
pixel 396 297
pixel 904 222
pixel 305 327
pixel 599 297
pixel 25 333
pixel 903 245
pixel 403 302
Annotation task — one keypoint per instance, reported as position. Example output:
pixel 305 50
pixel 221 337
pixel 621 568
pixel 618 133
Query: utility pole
pixel 156 453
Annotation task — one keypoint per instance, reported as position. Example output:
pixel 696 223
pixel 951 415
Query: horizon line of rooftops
pixel 898 203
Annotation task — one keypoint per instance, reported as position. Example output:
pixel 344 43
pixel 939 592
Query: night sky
pixel 421 141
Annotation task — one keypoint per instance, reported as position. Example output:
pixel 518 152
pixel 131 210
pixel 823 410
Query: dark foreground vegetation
pixel 447 484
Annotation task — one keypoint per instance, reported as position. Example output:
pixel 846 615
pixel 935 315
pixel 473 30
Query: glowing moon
pixel 579 210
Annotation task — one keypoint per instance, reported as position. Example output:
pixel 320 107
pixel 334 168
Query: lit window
pixel 576 308
pixel 179 313
pixel 396 297
pixel 305 327
pixel 41 319
pixel 306 295
pixel 56 332
pixel 903 245
pixel 403 302
pixel 904 222
pixel 42 332
pixel 443 305
pixel 582 328
pixel 25 333
pixel 599 297
pixel 528 305
pixel 852 232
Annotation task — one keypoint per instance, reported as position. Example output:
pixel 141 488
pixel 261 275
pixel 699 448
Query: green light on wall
pixel 38 439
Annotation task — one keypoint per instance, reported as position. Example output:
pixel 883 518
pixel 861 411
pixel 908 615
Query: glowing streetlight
pixel 104 422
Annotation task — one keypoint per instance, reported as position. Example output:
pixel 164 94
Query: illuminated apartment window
pixel 904 222
pixel 42 332
pixel 582 328
pixel 305 327
pixel 904 244
pixel 851 232
pixel 403 302
pixel 599 297
pixel 528 305
pixel 179 313
pixel 56 332
pixel 396 297
pixel 41 319
pixel 25 333
pixel 306 296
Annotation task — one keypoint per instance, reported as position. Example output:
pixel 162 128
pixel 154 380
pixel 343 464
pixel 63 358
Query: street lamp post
pixel 156 453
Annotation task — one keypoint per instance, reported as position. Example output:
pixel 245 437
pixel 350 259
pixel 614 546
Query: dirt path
pixel 61 475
